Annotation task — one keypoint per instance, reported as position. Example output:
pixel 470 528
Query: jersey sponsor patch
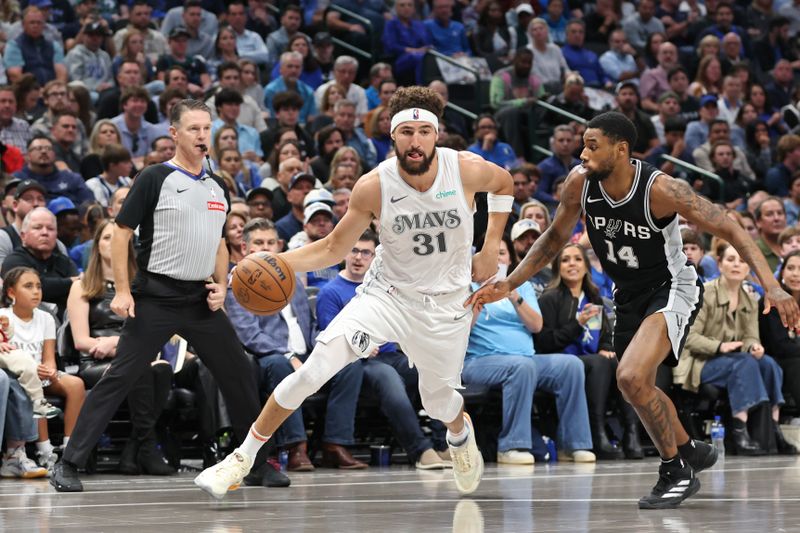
pixel 216 206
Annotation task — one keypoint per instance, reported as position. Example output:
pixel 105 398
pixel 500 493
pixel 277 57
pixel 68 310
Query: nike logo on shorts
pixel 459 317
pixel 395 200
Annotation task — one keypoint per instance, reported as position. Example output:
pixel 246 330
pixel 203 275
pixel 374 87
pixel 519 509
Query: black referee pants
pixel 165 307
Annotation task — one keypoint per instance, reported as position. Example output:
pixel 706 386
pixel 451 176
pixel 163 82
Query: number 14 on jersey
pixel 625 253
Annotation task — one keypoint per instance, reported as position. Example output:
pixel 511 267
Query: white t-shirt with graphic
pixel 30 336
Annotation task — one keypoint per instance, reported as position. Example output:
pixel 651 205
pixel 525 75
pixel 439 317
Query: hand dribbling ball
pixel 263 283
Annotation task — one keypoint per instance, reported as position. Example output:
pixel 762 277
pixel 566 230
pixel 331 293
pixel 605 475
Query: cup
pixel 381 455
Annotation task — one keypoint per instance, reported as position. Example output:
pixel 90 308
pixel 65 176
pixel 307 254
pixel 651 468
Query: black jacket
pixel 55 272
pixel 775 337
pixel 561 328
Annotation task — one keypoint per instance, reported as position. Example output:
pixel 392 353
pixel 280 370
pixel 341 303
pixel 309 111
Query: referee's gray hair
pixel 26 222
pixel 256 224
pixel 186 105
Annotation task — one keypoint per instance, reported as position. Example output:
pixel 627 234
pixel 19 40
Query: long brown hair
pixel 93 282
pixel 587 285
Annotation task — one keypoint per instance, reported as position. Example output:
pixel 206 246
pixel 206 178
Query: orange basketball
pixel 263 283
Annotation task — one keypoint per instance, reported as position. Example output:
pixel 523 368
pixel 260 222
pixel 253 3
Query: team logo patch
pixel 360 341
pixel 613 227
pixel 415 114
pixel 216 206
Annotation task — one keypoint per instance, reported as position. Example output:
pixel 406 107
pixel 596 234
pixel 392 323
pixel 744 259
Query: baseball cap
pixel 96 28
pixel 627 83
pixel 524 8
pixel 523 226
pixel 178 31
pixel 11 186
pixel 667 95
pixel 313 209
pixel 708 99
pixel 302 176
pixel 26 185
pixel 40 3
pixel 259 190
pixel 319 195
pixel 322 38
pixel 60 205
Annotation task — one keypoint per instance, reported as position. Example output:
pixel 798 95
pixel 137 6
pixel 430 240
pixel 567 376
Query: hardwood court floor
pixel 748 495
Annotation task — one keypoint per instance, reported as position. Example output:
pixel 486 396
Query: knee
pixel 630 383
pixel 443 405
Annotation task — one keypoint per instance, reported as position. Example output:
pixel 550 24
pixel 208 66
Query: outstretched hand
pixel 491 292
pixel 786 306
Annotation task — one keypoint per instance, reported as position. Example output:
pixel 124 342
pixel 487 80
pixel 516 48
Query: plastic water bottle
pixel 718 436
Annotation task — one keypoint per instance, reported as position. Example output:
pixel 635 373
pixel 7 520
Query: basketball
pixel 263 283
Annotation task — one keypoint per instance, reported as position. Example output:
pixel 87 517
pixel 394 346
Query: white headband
pixel 415 114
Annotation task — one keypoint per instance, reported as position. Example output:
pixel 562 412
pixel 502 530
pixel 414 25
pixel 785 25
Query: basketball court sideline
pixel 739 494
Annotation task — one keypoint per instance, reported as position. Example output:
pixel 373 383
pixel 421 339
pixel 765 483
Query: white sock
pixel 66 441
pixel 458 439
pixel 253 442
pixel 44 447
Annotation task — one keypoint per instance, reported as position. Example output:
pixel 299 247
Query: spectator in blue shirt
pixel 228 103
pixel 281 343
pixel 501 352
pixel 41 168
pixel 387 375
pixel 697 130
pixel 344 117
pixel 559 164
pixel 489 147
pixel 378 73
pixel 779 177
pixel 406 41
pixel 291 223
pixel 582 60
pixel 311 74
pixel 446 36
pixel 289 80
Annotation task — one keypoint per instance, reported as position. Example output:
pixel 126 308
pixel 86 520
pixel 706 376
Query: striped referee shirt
pixel 181 218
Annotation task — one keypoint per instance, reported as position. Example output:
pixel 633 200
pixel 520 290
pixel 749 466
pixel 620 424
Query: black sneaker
pixel 675 484
pixel 64 477
pixel 268 475
pixel 703 456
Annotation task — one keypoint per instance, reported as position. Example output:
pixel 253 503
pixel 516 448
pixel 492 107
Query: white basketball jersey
pixel 426 237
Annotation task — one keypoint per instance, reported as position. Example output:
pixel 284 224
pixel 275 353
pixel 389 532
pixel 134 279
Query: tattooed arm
pixel 544 249
pixel 669 195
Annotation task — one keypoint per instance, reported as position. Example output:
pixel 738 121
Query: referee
pixel 180 211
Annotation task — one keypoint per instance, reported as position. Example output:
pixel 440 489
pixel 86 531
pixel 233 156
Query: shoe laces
pixel 460 457
pixel 234 465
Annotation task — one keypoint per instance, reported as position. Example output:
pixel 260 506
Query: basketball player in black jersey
pixel 631 217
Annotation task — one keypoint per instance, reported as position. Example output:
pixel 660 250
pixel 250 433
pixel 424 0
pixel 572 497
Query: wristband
pixel 499 203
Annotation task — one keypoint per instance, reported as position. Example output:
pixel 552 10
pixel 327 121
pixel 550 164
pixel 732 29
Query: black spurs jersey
pixel 636 250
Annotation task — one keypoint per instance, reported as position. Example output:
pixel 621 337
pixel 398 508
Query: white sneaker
pixel 47 460
pixel 225 475
pixel 467 462
pixel 577 456
pixel 515 457
pixel 17 464
pixel 434 460
pixel 42 409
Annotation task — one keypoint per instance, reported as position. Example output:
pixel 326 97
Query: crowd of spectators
pixel 86 88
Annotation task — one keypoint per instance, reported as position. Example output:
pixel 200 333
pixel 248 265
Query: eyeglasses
pixel 135 143
pixel 40 149
pixel 366 254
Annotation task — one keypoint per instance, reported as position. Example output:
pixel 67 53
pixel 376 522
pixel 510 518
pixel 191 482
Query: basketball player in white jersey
pixel 414 290
pixel 631 213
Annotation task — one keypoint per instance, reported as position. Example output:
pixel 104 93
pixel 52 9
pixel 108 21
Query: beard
pixel 416 169
pixel 600 174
